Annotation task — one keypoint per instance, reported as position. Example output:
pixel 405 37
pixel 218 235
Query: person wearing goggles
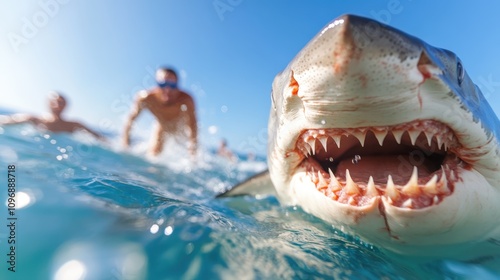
pixel 173 109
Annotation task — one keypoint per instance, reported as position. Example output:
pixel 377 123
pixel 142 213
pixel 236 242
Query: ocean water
pixel 87 210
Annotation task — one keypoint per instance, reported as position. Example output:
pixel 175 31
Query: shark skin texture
pixel 385 137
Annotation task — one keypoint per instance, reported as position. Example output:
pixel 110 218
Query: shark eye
pixel 460 73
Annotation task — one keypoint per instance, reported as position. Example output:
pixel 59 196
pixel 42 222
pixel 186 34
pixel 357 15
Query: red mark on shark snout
pixel 294 85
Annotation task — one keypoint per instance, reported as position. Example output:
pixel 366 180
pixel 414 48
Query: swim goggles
pixel 168 84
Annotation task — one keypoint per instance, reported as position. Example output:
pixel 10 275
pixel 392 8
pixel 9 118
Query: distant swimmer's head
pixel 57 103
pixel 223 143
pixel 166 78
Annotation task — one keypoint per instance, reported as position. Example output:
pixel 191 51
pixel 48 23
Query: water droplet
pixel 212 129
pixel 323 122
pixel 168 230
pixel 59 157
pixel 154 228
pixel 224 109
pixel 53 141
pixel 356 159
pixel 330 159
pixel 184 108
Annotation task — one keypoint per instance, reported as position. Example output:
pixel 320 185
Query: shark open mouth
pixel 412 165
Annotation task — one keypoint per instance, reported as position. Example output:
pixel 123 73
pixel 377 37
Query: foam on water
pixel 95 211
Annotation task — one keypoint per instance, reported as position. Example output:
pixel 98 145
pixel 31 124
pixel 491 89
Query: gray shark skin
pixel 386 137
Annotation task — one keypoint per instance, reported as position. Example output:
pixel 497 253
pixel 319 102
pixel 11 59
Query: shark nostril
pixel 424 59
pixel 426 66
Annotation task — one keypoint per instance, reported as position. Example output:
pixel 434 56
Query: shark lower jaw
pixel 413 165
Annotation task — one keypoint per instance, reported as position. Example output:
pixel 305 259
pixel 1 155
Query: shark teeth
pixel 351 187
pixel 435 134
pixel 380 135
pixel 398 134
pixel 328 149
pixel 323 140
pixel 412 188
pixel 371 191
pixel 361 135
pixel 413 136
pixel 412 195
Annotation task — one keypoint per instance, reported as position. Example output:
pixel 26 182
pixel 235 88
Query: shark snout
pixel 354 55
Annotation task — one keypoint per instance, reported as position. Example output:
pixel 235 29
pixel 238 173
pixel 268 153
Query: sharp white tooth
pixel 334 183
pixel 361 135
pixel 380 135
pixel 452 175
pixel 390 201
pixel 314 178
pixel 431 186
pixel 331 194
pixel 398 134
pixel 413 136
pixel 436 199
pixel 445 146
pixel 351 187
pixel 411 188
pixel 308 150
pixel 351 201
pixel 371 191
pixel 322 181
pixel 439 141
pixel 336 139
pixel 331 173
pixel 408 203
pixel 312 143
pixel 328 193
pixel 323 141
pixel 429 136
pixel 390 190
pixel 442 185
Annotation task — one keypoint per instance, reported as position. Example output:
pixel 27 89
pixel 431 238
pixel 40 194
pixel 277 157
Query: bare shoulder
pixel 186 97
pixel 144 95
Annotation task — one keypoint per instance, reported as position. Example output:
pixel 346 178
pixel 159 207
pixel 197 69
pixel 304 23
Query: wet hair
pixel 53 95
pixel 168 70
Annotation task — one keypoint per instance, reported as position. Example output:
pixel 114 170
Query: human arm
pixel 193 125
pixel 134 113
pixel 17 119
pixel 94 133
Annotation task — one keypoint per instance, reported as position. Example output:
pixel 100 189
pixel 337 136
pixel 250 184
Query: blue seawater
pixel 86 210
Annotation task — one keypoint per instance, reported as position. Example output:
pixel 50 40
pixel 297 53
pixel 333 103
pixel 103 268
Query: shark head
pixel 384 136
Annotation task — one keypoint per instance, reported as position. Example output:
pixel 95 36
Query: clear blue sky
pixel 100 52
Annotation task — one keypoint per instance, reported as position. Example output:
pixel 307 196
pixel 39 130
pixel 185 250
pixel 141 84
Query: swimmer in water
pixel 224 151
pixel 54 121
pixel 173 109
